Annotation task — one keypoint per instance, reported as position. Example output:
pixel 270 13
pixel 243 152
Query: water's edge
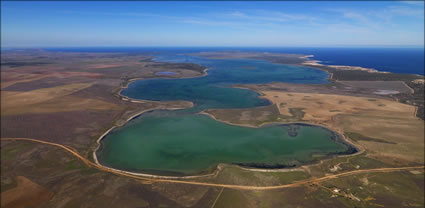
pixel 353 149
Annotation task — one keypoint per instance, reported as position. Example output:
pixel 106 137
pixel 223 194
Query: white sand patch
pixel 386 92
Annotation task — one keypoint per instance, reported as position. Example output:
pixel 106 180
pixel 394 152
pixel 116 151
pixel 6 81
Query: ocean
pixel 395 60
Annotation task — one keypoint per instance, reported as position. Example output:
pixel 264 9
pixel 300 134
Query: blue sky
pixel 77 23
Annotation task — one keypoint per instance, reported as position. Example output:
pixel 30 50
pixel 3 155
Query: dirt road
pixel 246 187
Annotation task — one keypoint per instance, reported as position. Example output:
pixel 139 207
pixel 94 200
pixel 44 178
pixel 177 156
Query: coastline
pixel 312 62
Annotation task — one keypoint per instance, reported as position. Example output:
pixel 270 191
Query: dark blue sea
pixel 396 60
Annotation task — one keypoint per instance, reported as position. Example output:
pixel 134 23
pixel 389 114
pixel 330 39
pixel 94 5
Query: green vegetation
pixel 289 177
pixel 236 175
pixel 416 98
pixel 11 151
pixel 297 113
pixel 395 189
pixel 361 162
pixel 78 165
pixel 232 198
pixel 358 75
pixel 72 165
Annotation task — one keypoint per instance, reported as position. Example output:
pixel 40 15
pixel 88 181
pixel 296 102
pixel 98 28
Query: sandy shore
pixel 310 62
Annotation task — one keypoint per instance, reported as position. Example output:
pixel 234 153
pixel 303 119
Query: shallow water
pixel 191 144
pixel 214 90
pixel 183 142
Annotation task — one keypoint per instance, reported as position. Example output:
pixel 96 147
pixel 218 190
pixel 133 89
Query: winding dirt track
pixel 152 180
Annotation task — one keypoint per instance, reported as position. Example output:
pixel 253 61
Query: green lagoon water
pixel 191 144
pixel 184 142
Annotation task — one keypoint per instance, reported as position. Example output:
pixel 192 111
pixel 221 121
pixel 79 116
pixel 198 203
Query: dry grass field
pixel 10 78
pixel 70 99
pixel 54 99
pixel 403 136
pixel 25 194
pixel 322 107
pixel 394 133
pixel 396 86
pixel 388 130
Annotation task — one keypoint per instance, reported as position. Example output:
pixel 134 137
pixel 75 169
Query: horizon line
pixel 188 46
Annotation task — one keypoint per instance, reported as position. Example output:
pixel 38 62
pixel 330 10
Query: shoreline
pixel 359 149
pixel 128 99
pixel 129 81
pixel 312 63
pixel 219 167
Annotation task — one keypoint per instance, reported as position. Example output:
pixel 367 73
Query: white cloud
pixel 420 3
pixel 237 14
pixel 406 11
pixel 269 16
